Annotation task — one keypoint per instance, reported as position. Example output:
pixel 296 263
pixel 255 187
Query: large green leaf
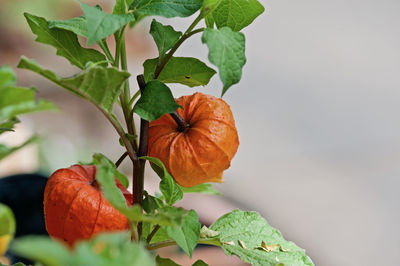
pixel 98 84
pixel 168 187
pixel 42 249
pixel 76 25
pixel 5 150
pixel 122 6
pixel 165 262
pixel 155 101
pixel 243 233
pixel 166 8
pixel 226 51
pixel 66 42
pixel 235 14
pixel 184 70
pixel 7 221
pixel 164 36
pixel 199 263
pixel 100 24
pixel 109 249
pixel 187 235
pixel 16 100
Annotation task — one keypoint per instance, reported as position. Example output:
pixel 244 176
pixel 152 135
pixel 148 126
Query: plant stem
pixel 182 125
pixel 121 159
pixel 138 172
pixel 103 45
pixel 150 236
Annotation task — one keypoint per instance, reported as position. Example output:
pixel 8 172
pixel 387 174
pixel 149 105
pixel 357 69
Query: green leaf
pixel 184 70
pixel 169 188
pixel 199 263
pixel 151 203
pixel 17 100
pixel 165 262
pixel 8 125
pixel 111 249
pixel 235 14
pixel 242 234
pixel 105 172
pixel 202 188
pixel 166 8
pixel 42 249
pixel 226 51
pixel 187 235
pixel 76 25
pixel 7 76
pixel 122 6
pixel 64 41
pixel 155 101
pixel 100 25
pixel 6 151
pixel 164 36
pixel 7 221
pixel 100 85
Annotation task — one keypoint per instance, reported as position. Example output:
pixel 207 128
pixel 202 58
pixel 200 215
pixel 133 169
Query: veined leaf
pixel 226 51
pixel 155 101
pixel 166 8
pixel 235 14
pixel 121 6
pixel 187 235
pixel 243 233
pixel 76 25
pixel 165 262
pixel 100 85
pixel 7 76
pixel 184 70
pixel 164 36
pixel 64 41
pixel 169 188
pixel 100 25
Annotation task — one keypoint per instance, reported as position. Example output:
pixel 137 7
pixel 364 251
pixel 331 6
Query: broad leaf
pixel 64 41
pixel 105 175
pixel 101 25
pixel 7 76
pixel 187 235
pixel 8 125
pixel 155 101
pixel 202 188
pixel 165 262
pixel 100 85
pixel 5 150
pixel 76 25
pixel 42 249
pixel 235 14
pixel 199 263
pixel 226 51
pixel 166 8
pixel 109 249
pixel 7 221
pixel 184 70
pixel 248 236
pixel 168 187
pixel 17 100
pixel 122 6
pixel 151 203
pixel 164 36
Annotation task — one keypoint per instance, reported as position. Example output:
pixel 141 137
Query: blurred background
pixel 317 112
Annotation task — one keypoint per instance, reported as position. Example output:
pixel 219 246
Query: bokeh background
pixel 317 111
